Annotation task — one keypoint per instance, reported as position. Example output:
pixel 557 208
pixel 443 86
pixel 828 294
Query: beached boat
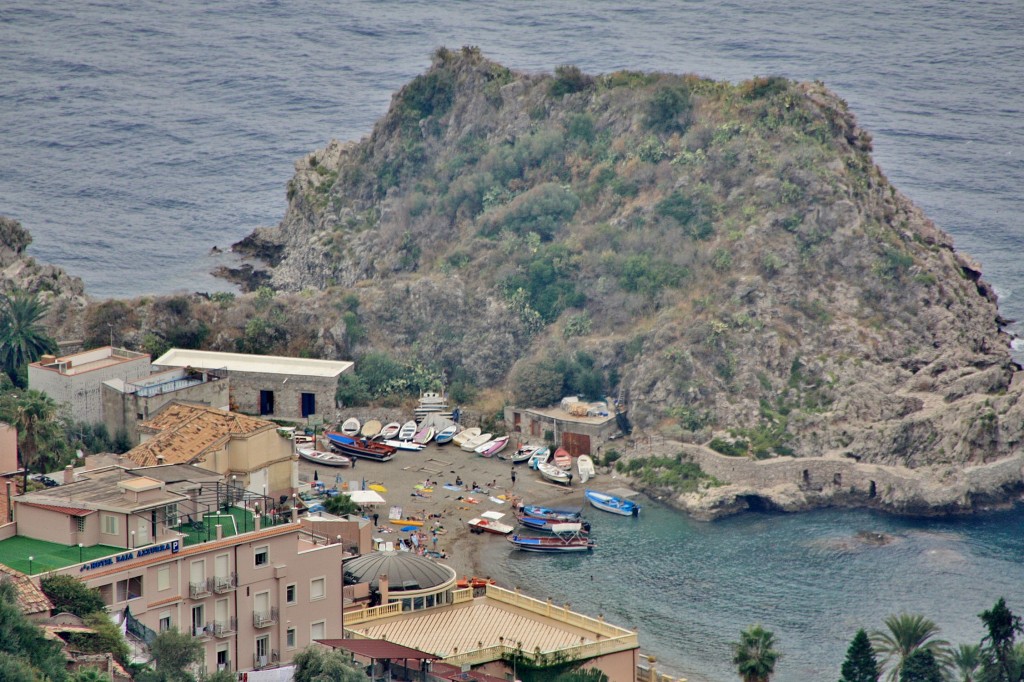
pixel 350 427
pixel 488 523
pixel 611 503
pixel 562 459
pixel 389 430
pixel 330 459
pixel 569 514
pixel 405 445
pixel 445 435
pixel 546 525
pixel 492 447
pixel 541 455
pixel 585 466
pixel 462 436
pixel 407 431
pixel 566 537
pixel 473 443
pixel 526 452
pixel 554 474
pixel 424 435
pixel 360 447
pixel 370 429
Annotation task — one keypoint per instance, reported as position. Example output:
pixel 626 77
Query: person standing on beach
pixel 513 476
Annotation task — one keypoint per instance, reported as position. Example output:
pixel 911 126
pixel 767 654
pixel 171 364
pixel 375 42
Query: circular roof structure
pixel 404 570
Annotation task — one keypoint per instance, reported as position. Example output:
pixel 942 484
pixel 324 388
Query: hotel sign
pixel 173 546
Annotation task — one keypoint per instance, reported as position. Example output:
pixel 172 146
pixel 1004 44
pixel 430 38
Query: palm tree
pixel 754 656
pixel 22 339
pixel 965 660
pixel 33 414
pixel 908 633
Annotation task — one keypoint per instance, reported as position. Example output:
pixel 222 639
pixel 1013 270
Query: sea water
pixel 813 579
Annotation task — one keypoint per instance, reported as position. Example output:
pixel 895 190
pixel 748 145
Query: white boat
pixel 405 445
pixel 492 447
pixel 445 435
pixel 407 431
pixel 462 436
pixel 473 443
pixel 424 435
pixel 611 503
pixel 331 459
pixel 585 466
pixel 542 455
pixel 390 430
pixel 554 474
pixel 370 429
pixel 527 452
pixel 350 427
pixel 489 522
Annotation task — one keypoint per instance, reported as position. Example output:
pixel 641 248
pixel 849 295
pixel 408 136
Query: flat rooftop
pixel 47 556
pixel 561 415
pixel 87 361
pixel 240 362
pixel 98 490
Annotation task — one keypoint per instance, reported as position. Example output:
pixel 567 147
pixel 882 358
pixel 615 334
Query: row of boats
pixel 564 529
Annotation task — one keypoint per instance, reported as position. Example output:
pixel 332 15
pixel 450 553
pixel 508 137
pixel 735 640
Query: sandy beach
pixel 432 470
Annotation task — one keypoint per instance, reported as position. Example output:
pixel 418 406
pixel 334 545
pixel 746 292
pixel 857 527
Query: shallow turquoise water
pixel 690 587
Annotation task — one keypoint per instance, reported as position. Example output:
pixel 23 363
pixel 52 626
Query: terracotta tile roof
pixel 70 511
pixel 185 432
pixel 30 598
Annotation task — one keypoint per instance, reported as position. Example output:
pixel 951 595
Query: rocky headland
pixel 726 257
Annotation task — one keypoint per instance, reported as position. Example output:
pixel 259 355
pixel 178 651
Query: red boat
pixel 360 447
pixel 562 459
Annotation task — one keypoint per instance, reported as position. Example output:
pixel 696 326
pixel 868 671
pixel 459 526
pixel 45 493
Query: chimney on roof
pixel 47 359
pixel 69 474
pixel 160 459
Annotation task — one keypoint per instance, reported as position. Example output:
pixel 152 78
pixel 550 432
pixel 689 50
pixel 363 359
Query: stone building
pixel 126 403
pixel 268 385
pixel 77 380
pixel 581 434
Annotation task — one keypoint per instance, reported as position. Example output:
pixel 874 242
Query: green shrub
pixel 543 209
pixel 569 79
pixel 677 473
pixel 643 274
pixel 577 325
pixel 762 87
pixel 668 110
pixel 580 127
pixel 736 448
pixel 690 213
pixel 546 282
pixel 72 595
pixel 427 95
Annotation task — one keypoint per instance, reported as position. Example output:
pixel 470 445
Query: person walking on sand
pixel 513 476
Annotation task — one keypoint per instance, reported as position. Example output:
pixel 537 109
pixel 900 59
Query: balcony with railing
pixel 262 661
pixel 223 628
pixel 200 589
pixel 225 583
pixel 202 630
pixel 263 619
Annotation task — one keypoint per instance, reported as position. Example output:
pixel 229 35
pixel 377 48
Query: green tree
pixel 860 664
pixel 754 655
pixel 22 338
pixel 920 666
pixel 341 505
pixel 219 676
pixel 315 664
pixel 588 675
pixel 106 637
pixel 22 642
pixel 174 654
pixel 90 675
pixel 906 634
pixel 70 594
pixel 965 660
pixel 1000 660
pixel 33 414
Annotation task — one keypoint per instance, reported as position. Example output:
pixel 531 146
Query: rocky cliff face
pixel 64 294
pixel 728 255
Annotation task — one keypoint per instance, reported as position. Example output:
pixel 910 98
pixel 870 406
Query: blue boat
pixel 567 538
pixel 446 435
pixel 612 504
pixel 554 513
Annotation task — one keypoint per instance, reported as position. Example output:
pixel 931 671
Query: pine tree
pixel 860 664
pixel 920 666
